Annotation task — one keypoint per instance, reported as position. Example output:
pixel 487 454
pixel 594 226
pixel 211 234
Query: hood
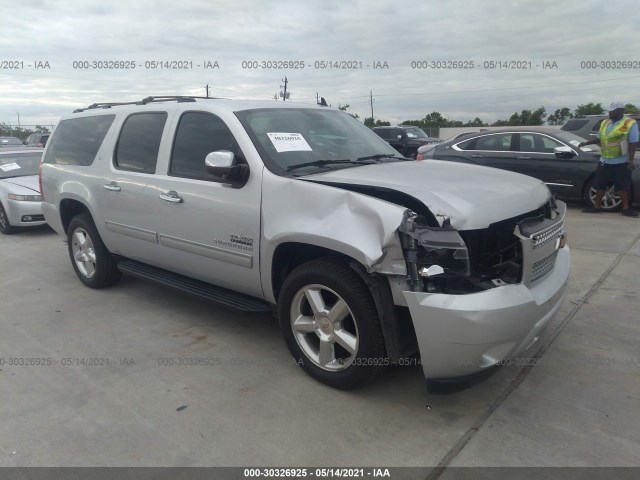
pixel 471 196
pixel 29 182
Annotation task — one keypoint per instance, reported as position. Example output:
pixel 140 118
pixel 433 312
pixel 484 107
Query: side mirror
pixel 564 152
pixel 224 165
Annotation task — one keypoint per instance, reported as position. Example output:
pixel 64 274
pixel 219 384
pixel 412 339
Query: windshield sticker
pixel 9 166
pixel 289 142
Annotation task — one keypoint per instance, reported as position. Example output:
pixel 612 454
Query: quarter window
pixel 199 134
pixel 77 140
pixel 139 142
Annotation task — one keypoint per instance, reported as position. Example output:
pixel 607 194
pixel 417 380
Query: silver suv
pixel 370 259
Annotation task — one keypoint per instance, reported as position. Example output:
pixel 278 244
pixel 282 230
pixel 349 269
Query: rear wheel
pixel 91 260
pixel 330 324
pixel 611 200
pixel 5 226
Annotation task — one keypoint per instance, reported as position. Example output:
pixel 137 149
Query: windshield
pixel 323 139
pixel 415 133
pixel 19 164
pixel 573 140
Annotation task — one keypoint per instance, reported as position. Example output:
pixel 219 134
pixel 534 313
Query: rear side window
pixel 497 143
pixel 139 142
pixel 574 125
pixel 77 140
pixel 383 133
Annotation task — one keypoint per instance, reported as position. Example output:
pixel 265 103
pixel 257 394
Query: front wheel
pixel 611 200
pixel 5 226
pixel 91 260
pixel 330 324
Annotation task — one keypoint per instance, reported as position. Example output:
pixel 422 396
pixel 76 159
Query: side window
pixel 527 142
pixel 77 140
pixel 546 144
pixel 198 134
pixel 596 126
pixel 498 142
pixel 139 142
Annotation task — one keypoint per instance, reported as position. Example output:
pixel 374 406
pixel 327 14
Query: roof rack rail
pixel 144 101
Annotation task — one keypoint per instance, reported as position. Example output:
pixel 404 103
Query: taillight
pixel 40 180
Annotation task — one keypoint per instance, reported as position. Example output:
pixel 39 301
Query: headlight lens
pixel 25 198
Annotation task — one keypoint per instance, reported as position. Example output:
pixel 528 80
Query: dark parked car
pixel 10 142
pixel 587 127
pixel 37 140
pixel 548 154
pixel 406 139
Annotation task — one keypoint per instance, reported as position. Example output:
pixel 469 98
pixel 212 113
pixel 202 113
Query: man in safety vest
pixel 618 138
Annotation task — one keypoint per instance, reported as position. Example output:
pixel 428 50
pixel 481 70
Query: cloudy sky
pixel 65 35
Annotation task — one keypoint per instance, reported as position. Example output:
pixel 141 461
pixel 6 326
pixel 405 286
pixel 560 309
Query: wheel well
pixel 290 255
pixel 69 209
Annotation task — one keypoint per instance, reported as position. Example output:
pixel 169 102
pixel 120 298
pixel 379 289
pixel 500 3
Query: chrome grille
pixel 540 248
pixel 542 238
pixel 540 268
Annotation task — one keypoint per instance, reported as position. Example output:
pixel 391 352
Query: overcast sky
pixel 534 33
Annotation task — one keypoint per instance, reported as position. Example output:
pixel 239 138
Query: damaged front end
pixel 478 296
pixel 440 259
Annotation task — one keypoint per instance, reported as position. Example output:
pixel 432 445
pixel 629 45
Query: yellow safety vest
pixel 611 143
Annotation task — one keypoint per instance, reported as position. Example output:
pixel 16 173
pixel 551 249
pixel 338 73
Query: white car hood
pixel 471 196
pixel 18 185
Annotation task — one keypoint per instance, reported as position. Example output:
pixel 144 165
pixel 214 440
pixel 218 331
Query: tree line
pixel 22 133
pixel 522 118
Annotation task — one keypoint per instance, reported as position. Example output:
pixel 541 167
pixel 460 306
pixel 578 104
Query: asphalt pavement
pixel 142 375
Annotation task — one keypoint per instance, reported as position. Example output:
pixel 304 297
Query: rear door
pixel 206 229
pixel 127 195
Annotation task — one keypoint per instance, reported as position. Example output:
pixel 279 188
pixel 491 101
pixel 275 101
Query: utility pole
pixel 207 87
pixel 371 102
pixel 18 120
pixel 284 97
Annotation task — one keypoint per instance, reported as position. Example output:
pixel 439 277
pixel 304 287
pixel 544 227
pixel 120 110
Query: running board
pixel 195 287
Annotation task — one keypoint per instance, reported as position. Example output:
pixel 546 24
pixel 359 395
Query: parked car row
pixel 549 154
pixel 38 140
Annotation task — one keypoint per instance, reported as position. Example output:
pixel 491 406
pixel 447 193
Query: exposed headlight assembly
pixel 428 247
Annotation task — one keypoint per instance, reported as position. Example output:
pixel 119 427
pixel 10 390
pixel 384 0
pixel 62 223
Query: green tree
pixel 525 117
pixel 344 108
pixel 630 108
pixel 560 116
pixel 589 109
pixel 371 122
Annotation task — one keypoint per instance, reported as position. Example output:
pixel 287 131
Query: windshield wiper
pixel 322 163
pixel 379 156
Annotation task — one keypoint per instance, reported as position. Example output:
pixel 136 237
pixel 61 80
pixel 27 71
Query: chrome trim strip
pixel 558 184
pixel 139 233
pixel 217 253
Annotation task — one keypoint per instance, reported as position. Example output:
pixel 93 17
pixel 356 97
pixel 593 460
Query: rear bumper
pixel 52 217
pixel 463 334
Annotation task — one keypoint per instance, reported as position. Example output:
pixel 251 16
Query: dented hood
pixel 471 196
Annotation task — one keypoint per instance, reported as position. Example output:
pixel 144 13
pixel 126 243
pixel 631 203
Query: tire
pixel 610 202
pixel 341 344
pixel 5 226
pixel 411 154
pixel 91 260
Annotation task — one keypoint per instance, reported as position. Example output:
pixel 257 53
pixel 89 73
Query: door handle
pixel 171 196
pixel 112 187
pixel 476 155
pixel 523 157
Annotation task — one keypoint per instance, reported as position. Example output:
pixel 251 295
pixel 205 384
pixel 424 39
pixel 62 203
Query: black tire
pixel 5 226
pixel 359 325
pixel 611 201
pixel 98 269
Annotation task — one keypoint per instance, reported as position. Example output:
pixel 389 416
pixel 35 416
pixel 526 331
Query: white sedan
pixel 20 199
